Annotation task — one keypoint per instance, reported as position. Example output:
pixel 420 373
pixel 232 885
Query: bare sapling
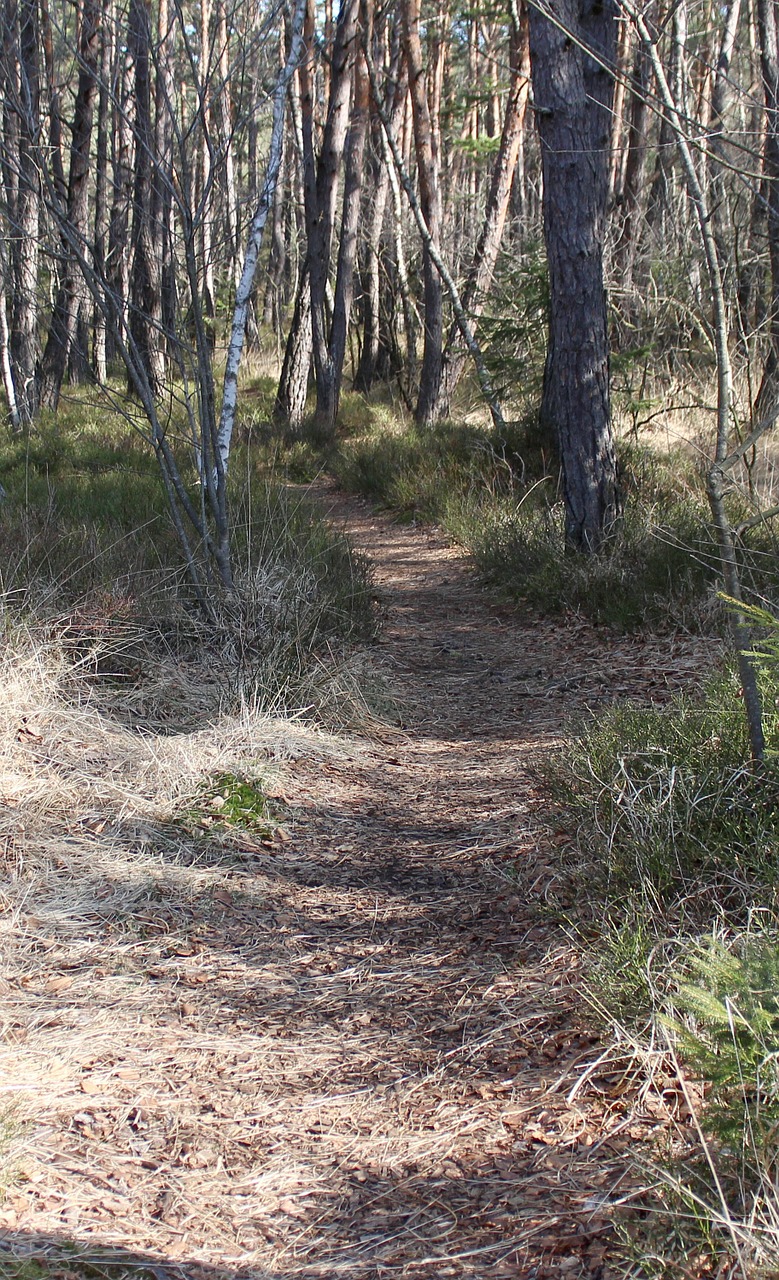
pixel 724 460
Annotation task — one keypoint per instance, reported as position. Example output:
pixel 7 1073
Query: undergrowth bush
pixel 499 497
pixel 712 1186
pixel 682 823
pixel 87 551
pixel 678 846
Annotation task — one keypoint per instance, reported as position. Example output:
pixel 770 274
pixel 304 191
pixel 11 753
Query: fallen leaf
pixel 28 731
pixel 292 1209
pixel 58 984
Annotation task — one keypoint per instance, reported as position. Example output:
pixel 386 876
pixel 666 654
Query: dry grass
pixel 346 1050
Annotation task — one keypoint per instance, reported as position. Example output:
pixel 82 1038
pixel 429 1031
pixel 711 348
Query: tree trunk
pixel 99 342
pixel 767 404
pixel 117 265
pixel 205 199
pixel 330 377
pixel 63 329
pixel 271 316
pixel 488 244
pixel 22 94
pixel 429 199
pixel 627 244
pixel 321 189
pixel 370 275
pixel 145 284
pixel 572 95
pixel 290 406
pixel 253 247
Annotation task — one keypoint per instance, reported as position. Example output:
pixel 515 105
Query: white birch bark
pixel 5 361
pixel 254 242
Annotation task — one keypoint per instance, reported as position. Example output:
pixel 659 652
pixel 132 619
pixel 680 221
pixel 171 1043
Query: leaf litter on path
pixel 337 1054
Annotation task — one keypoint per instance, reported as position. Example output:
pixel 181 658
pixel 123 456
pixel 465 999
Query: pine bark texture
pixel 572 97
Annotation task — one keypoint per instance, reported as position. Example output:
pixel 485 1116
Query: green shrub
pixel 674 816
pixel 724 1017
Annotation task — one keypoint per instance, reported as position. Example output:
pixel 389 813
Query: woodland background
pixel 508 269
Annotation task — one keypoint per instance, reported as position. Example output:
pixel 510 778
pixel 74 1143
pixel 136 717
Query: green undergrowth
pixel 231 802
pixel 499 497
pixel 88 553
pixel 674 865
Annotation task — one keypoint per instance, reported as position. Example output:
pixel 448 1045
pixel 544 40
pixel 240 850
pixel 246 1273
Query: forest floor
pixel 352 1050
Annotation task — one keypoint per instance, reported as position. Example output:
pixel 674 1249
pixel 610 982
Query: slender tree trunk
pixel 162 174
pixel 205 193
pixel 370 274
pixel 117 266
pixel 253 247
pixel 9 386
pixel 22 102
pixel 290 406
pixel 329 377
pixel 321 189
pixel 226 141
pixel 429 199
pixel 63 329
pixel 100 328
pixel 488 244
pixel 627 243
pixel 660 203
pixel 146 283
pixel 410 317
pixel 718 150
pixel 617 149
pixel 278 251
pixel 767 404
pixel 55 117
pixel 572 93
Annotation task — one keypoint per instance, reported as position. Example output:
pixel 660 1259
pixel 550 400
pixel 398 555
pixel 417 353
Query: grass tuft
pixel 90 559
pixel 499 497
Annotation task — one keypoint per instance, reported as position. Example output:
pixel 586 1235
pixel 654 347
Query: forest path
pixel 347 1054
pixel 446 1009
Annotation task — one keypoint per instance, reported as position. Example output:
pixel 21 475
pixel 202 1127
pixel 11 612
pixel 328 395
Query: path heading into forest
pixel 353 1057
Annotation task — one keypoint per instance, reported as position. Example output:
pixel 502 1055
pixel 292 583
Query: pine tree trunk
pixel 488 245
pixel 427 170
pixel 572 95
pixel 767 404
pixel 64 334
pixel 370 275
pixel 145 283
pixel 290 407
pixel 321 190
pixel 329 379
pixel 627 244
pixel 99 338
pixel 22 102
pixel 117 264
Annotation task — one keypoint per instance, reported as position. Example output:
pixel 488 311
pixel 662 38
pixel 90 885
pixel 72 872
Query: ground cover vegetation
pixel 361 199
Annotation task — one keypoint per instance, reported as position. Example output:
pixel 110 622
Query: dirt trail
pixel 347 1060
